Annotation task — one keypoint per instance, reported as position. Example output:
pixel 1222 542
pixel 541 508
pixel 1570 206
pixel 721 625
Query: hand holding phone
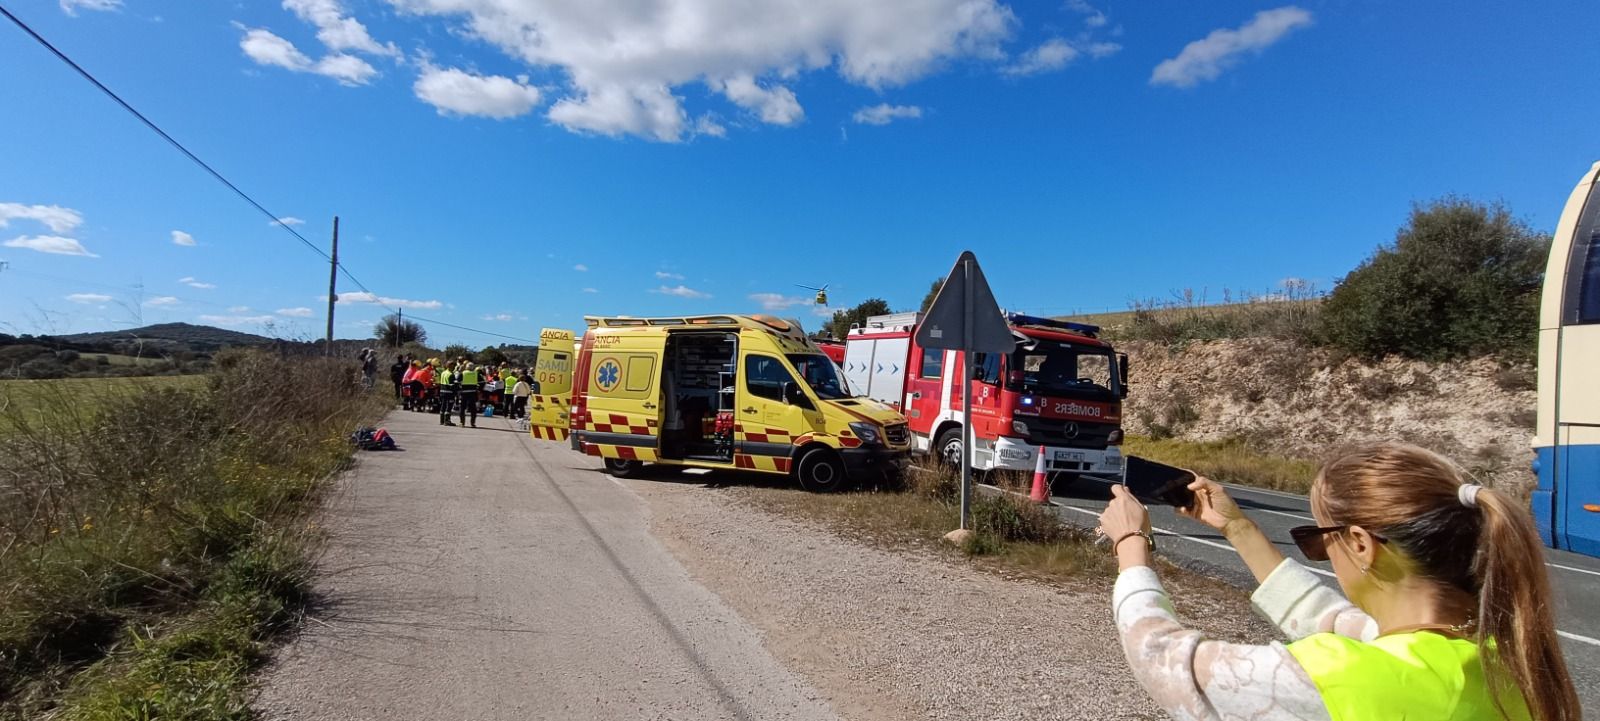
pixel 1153 482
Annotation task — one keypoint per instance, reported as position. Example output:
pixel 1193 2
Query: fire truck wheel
pixel 622 468
pixel 821 471
pixel 949 446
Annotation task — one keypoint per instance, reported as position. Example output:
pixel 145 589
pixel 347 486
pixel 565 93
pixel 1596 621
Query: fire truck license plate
pixel 1073 456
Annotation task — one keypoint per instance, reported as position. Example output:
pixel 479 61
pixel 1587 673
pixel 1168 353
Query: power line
pixel 376 299
pixel 471 330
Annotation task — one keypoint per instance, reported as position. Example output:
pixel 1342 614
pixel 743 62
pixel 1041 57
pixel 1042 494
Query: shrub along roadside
pixel 151 544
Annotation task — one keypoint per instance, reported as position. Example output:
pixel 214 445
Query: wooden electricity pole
pixel 333 281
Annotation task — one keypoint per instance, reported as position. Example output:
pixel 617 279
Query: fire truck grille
pixel 1068 434
pixel 895 434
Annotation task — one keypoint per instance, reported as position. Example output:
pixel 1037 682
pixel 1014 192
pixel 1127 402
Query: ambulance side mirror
pixel 1122 372
pixel 793 396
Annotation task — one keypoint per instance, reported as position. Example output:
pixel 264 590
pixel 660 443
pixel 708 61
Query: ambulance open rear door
pixel 549 407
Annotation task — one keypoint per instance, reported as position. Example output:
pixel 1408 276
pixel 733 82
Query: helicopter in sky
pixel 822 293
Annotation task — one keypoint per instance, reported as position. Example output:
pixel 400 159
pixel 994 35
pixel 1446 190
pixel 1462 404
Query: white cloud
pixel 347 69
pixel 239 309
pixel 54 217
pixel 499 316
pixel 779 301
pixel 236 319
pixel 625 60
pixel 1053 54
pixel 295 312
pixel 364 297
pixel 457 92
pixel 193 283
pixel 337 30
pixel 1102 49
pixel 591 290
pixel 71 7
pixel 707 125
pixel 581 268
pixel 681 291
pixel 774 104
pixel 664 275
pixel 1092 17
pixel 1205 59
pixel 287 220
pixel 268 49
pixel 884 113
pixel 89 298
pixel 162 301
pixel 181 238
pixel 53 244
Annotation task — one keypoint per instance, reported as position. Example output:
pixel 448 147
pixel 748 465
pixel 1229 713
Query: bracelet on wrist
pixel 1149 540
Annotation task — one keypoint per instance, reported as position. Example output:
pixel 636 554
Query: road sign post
pixel 965 317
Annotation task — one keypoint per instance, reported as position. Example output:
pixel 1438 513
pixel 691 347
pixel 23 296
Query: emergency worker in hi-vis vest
pixel 1446 613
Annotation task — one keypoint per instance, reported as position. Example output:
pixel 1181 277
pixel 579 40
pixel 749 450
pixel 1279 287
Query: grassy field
pixel 154 534
pixel 33 397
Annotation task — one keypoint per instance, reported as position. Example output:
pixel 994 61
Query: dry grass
pixel 1231 461
pixel 152 537
pixel 1013 536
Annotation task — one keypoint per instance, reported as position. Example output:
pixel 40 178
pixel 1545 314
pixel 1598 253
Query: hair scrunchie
pixel 1467 493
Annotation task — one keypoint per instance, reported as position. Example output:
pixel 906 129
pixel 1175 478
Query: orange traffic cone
pixel 1041 483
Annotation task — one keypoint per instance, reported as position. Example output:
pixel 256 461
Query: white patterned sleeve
pixel 1300 605
pixel 1194 679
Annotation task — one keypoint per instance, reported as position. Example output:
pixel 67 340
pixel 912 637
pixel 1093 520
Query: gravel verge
pixel 897 633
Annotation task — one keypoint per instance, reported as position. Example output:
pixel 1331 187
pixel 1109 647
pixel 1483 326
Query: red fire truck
pixel 1061 388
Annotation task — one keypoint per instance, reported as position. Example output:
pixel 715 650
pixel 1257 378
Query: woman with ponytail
pixel 1446 612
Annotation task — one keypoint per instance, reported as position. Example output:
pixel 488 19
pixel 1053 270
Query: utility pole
pixel 333 280
pixel 399 322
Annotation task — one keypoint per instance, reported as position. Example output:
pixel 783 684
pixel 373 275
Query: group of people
pixel 460 388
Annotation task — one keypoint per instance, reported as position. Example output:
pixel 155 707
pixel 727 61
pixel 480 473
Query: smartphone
pixel 1154 482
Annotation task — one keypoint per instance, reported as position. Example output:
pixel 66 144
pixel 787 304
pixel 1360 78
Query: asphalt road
pixel 476 574
pixel 1576 578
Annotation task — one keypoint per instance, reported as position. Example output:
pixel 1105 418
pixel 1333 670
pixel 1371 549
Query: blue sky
pixel 512 164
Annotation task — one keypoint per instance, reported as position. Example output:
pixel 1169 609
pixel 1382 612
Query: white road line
pixel 1260 510
pixel 1185 537
pixel 1574 569
pixel 1263 491
pixel 1576 637
pixel 1564 634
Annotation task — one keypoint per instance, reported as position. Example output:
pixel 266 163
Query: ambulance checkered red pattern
pixel 619 423
pixel 761 463
pixel 764 435
pixel 628 453
pixel 543 433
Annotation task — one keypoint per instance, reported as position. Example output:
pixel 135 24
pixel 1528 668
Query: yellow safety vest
pixel 444 378
pixel 469 378
pixel 1419 675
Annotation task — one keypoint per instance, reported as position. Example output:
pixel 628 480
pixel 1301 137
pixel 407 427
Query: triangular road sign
pixel 946 321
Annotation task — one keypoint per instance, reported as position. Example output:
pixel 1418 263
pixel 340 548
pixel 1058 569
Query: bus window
pixel 1589 288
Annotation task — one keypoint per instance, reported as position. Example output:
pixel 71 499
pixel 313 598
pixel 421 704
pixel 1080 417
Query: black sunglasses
pixel 1312 540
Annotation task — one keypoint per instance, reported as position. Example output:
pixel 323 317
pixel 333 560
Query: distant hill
pixel 186 336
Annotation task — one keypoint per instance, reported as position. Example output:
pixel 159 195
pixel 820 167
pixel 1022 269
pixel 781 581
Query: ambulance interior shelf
pixel 698 419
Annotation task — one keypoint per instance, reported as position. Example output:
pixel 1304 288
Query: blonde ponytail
pixel 1516 628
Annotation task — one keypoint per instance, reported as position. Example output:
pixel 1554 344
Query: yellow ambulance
pixel 717 391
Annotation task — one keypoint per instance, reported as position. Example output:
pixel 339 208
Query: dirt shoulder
pixel 903 633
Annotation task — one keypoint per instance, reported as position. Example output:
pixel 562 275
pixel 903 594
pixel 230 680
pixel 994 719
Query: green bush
pixel 1462 278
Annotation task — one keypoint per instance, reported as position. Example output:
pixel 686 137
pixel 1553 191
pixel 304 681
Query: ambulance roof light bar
pixel 1092 331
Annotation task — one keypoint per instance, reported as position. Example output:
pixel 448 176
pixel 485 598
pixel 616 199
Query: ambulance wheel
pixel 623 468
pixel 948 449
pixel 821 471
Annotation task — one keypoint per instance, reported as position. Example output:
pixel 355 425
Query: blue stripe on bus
pixel 1563 523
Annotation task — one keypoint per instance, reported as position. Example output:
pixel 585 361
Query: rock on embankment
pixel 1291 399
